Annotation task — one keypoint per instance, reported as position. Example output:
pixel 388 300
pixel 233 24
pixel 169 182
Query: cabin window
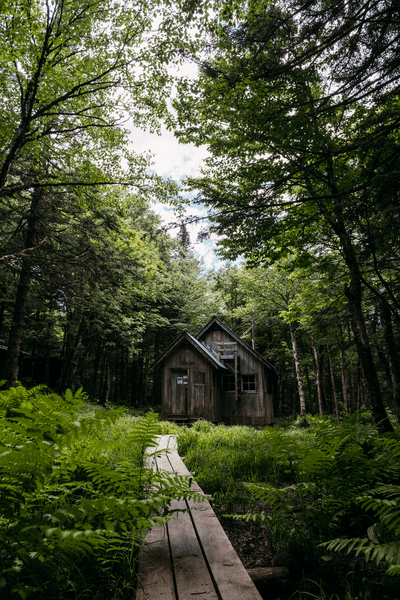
pixel 228 383
pixel 199 377
pixel 249 383
pixel 182 379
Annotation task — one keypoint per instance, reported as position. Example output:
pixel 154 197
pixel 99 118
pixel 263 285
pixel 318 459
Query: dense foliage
pixel 86 273
pixel 77 496
pixel 324 487
pixel 302 132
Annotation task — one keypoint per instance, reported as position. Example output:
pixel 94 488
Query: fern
pixel 382 542
pixel 73 490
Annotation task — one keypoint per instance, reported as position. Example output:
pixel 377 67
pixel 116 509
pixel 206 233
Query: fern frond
pixel 254 517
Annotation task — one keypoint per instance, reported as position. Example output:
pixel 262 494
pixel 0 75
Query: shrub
pixel 77 495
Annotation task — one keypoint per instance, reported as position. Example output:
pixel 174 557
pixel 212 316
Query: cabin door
pixel 179 391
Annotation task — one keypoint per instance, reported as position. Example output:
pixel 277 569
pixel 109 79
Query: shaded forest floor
pixel 316 497
pixel 333 580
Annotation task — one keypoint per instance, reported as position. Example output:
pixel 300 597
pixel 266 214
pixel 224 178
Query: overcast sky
pixel 177 161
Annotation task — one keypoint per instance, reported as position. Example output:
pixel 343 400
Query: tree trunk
pixel 335 398
pixel 17 325
pixel 392 357
pixel 298 370
pixel 308 386
pixel 134 381
pixel 2 311
pixel 354 295
pixel 345 383
pixel 108 382
pixel 102 379
pixel 70 354
pixel 318 375
pixel 98 354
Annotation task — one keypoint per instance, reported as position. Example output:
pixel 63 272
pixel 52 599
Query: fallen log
pixel 268 574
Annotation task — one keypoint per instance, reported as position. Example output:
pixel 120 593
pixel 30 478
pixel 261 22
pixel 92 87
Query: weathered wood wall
pixel 201 398
pixel 251 408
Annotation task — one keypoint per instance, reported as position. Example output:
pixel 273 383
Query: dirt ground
pixel 338 577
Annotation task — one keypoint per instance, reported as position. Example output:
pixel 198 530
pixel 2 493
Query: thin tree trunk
pixel 335 398
pixel 281 394
pixel 318 375
pixel 308 385
pixel 345 383
pixel 108 382
pixel 116 387
pixel 97 358
pixel 134 370
pixel 353 393
pixel 354 297
pixel 295 388
pixel 102 379
pixel 17 325
pixel 2 311
pixel 392 357
pixel 70 353
pixel 298 370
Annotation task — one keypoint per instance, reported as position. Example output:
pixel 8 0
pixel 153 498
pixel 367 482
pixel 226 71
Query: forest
pixel 298 106
pixel 93 288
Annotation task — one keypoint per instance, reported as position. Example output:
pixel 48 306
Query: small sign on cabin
pixel 215 376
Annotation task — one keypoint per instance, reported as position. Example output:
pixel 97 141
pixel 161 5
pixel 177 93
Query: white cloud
pixel 177 161
pixel 171 159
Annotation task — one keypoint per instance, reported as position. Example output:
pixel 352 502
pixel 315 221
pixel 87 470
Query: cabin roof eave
pixel 217 321
pixel 196 344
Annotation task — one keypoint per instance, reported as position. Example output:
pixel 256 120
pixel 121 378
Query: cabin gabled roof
pixel 204 351
pixel 215 322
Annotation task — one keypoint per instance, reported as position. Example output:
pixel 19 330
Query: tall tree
pixel 73 73
pixel 298 160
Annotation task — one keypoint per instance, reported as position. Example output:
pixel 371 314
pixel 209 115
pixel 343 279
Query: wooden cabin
pixel 215 376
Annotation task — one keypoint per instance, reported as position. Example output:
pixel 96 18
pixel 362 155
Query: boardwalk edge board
pixel 190 555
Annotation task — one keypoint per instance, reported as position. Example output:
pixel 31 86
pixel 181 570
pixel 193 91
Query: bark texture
pixel 318 375
pixel 11 367
pixel 392 356
pixel 298 370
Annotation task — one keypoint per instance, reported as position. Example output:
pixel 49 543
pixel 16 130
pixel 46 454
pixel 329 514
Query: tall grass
pixel 325 487
pixel 76 496
pixel 221 456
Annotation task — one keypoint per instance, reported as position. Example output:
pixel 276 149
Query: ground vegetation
pixel 318 497
pixel 77 496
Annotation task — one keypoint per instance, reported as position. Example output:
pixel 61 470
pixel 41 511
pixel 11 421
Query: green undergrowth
pixel 76 496
pixel 323 492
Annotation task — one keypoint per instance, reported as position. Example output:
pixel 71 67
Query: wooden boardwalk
pixel 190 557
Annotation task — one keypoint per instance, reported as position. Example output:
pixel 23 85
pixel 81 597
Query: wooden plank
pixel 229 574
pixel 156 583
pixel 190 569
pixel 173 443
pixel 192 577
pixel 163 442
pixel 178 466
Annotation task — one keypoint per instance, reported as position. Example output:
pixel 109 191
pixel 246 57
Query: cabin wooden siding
pixel 202 399
pixel 192 371
pixel 251 408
